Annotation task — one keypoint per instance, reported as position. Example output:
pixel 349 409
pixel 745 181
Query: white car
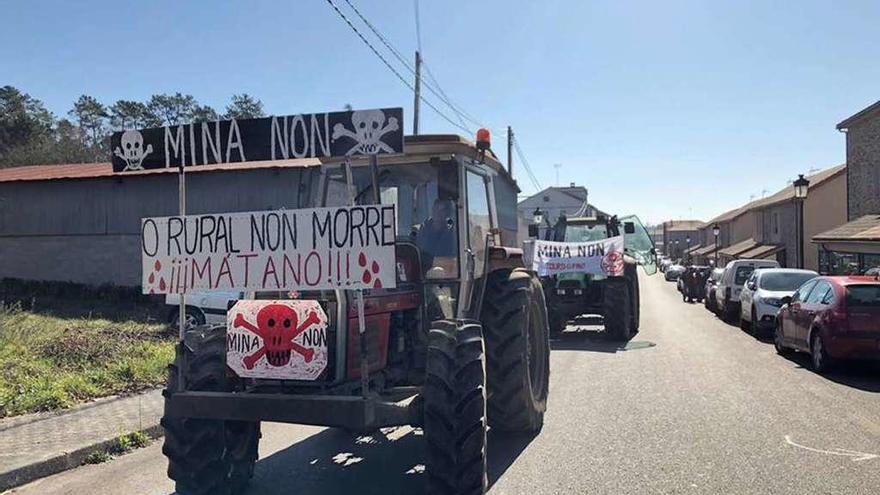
pixel 202 307
pixel 761 297
pixel 729 287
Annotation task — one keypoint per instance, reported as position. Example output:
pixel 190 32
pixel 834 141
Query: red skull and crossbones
pixel 277 325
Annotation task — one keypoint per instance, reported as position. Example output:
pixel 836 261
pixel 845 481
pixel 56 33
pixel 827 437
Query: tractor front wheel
pixel 514 318
pixel 455 409
pixel 207 456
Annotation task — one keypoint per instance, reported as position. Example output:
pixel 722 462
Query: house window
pixel 774 222
pixel 546 199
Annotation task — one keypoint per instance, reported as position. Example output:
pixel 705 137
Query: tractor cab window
pixel 585 232
pixel 425 199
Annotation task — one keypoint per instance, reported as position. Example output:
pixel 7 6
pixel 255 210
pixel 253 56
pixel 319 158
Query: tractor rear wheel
pixel 455 409
pixel 618 308
pixel 207 456
pixel 514 318
pixel 631 273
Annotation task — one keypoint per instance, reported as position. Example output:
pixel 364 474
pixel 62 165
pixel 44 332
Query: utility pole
pixel 510 151
pixel 418 96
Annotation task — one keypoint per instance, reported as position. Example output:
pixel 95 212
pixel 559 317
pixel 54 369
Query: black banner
pixel 319 135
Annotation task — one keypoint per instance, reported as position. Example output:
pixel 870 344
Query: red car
pixel 831 318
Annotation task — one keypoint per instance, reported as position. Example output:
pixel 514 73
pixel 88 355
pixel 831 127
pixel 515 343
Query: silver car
pixel 762 294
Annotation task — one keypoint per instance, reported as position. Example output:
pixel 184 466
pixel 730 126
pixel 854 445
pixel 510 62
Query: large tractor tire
pixel 207 456
pixel 618 297
pixel 631 274
pixel 455 409
pixel 515 323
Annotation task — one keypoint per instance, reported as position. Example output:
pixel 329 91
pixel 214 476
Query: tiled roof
pixel 858 116
pixel 740 247
pixel 683 225
pixel 866 228
pixel 693 249
pixel 705 250
pixel 781 196
pixel 761 251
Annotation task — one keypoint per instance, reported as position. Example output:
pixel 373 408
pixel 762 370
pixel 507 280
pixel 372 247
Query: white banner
pixel 603 257
pixel 319 248
pixel 285 340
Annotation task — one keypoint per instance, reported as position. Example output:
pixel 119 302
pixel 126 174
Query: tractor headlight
pixel 561 292
pixel 578 292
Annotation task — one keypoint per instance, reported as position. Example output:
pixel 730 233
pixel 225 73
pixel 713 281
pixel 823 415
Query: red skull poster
pixel 277 339
pixel 602 258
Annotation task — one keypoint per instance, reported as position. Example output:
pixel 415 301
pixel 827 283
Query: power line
pixel 455 108
pixel 393 70
pixel 438 91
pixel 526 165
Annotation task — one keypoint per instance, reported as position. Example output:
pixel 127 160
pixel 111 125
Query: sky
pixel 669 110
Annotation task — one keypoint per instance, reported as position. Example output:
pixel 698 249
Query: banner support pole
pixel 181 316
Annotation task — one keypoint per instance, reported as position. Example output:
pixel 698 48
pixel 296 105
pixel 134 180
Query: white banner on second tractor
pixel 349 247
pixel 603 257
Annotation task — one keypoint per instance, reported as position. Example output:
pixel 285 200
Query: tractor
pixel 615 298
pixel 460 344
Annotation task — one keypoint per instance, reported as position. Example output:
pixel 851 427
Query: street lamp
pixel 538 216
pixel 688 252
pixel 716 230
pixel 801 188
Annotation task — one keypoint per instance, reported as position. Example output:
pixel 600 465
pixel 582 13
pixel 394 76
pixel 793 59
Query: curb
pixel 65 461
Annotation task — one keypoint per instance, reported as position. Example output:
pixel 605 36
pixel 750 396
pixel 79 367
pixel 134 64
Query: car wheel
pixel 777 340
pixel 754 323
pixel 819 358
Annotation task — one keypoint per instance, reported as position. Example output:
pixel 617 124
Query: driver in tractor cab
pixel 436 238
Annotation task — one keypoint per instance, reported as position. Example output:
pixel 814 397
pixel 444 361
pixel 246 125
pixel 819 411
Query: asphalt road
pixel 692 405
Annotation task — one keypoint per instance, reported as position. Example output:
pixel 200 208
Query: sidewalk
pixel 38 445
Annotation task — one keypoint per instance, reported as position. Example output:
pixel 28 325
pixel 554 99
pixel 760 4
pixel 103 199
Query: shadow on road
pixel 592 341
pixel 390 461
pixel 862 375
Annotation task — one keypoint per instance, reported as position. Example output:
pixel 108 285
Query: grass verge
pixel 52 362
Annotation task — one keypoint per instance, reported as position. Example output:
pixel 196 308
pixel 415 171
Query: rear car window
pixel 784 281
pixel 863 296
pixel 742 274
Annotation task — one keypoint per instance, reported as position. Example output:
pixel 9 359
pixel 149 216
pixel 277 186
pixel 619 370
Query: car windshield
pixel 742 274
pixel 861 296
pixel 784 281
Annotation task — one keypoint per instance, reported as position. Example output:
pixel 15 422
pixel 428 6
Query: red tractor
pixel 460 344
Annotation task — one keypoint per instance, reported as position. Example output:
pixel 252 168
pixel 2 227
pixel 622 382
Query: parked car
pixel 831 318
pixel 673 272
pixel 202 307
pixel 735 275
pixel 711 283
pixel 873 272
pixel 762 294
pixel 664 264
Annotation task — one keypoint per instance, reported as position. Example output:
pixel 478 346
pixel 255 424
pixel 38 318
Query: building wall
pixel 742 227
pixel 777 225
pixel 88 230
pixel 824 209
pixel 863 167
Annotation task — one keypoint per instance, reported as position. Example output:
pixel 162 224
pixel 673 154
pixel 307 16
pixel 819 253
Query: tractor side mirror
pixel 533 230
pixel 629 228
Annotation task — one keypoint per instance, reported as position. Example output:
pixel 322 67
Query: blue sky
pixel 671 109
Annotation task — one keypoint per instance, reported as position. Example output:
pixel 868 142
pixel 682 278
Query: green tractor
pixel 615 298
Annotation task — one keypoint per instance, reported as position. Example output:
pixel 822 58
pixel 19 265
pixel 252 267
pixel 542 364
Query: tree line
pixel 32 135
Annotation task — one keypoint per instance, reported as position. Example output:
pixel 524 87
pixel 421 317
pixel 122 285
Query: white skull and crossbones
pixel 369 128
pixel 133 151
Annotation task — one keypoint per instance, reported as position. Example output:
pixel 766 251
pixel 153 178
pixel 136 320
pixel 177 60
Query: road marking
pixel 854 455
